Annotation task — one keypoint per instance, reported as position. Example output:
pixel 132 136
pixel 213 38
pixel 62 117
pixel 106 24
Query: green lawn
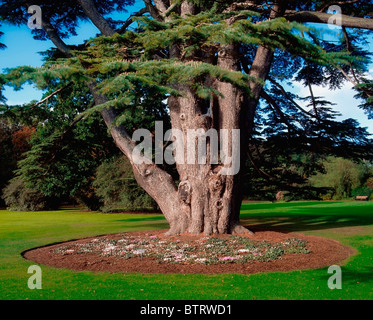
pixel 348 222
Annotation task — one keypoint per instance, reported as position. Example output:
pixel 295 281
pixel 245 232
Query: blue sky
pixel 22 49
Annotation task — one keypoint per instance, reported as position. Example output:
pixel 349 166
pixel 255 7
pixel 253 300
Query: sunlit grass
pixel 348 222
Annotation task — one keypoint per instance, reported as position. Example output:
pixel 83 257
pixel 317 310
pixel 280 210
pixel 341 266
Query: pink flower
pixel 228 258
pixel 153 237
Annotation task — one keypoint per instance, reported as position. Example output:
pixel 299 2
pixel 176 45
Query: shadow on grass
pixel 306 216
pixel 353 276
pixel 305 223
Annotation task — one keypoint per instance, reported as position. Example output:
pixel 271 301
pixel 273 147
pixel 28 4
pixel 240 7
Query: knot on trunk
pixel 147 172
pixel 185 192
pixel 219 204
pixel 216 183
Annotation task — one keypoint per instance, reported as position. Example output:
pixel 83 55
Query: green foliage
pixel 18 197
pixel 369 183
pixel 362 191
pixel 65 152
pixel 65 15
pixel 116 186
pixel 7 163
pixel 365 92
pixel 12 144
pixel 342 175
pixel 63 167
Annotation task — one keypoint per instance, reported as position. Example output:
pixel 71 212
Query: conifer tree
pixel 214 61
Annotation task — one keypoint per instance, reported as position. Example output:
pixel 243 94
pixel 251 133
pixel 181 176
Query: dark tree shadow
pixel 353 276
pixel 304 217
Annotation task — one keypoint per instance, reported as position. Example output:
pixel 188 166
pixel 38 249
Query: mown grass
pixel 348 222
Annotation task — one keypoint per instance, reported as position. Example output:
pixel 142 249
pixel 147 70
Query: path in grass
pixel 348 222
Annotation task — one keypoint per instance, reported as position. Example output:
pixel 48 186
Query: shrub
pixel 116 186
pixel 362 191
pixel 18 197
pixel 369 183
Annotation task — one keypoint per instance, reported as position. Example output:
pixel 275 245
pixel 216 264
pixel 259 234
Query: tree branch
pixel 98 20
pixel 260 171
pixel 276 108
pixel 349 49
pixel 52 94
pixel 171 8
pixel 161 6
pixel 129 21
pixel 153 10
pixel 260 69
pixel 55 38
pixel 286 95
pixel 313 100
pixel 321 17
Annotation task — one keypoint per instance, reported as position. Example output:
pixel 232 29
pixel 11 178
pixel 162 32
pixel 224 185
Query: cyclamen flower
pixel 110 247
pixel 228 258
pixel 140 251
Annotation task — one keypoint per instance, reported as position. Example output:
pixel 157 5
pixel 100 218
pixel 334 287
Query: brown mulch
pixel 324 253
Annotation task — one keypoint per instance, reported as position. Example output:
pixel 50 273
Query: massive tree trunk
pixel 208 197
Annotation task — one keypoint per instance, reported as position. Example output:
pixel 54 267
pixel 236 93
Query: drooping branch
pixel 286 95
pixel 52 94
pixel 349 49
pixel 259 170
pixel 313 100
pixel 276 108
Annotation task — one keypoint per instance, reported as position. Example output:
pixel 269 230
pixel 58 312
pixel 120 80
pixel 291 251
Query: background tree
pixel 66 151
pixel 14 140
pixel 215 61
pixel 117 188
pixel 344 177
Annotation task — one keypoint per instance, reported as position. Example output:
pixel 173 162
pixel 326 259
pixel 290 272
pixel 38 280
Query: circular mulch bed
pixel 322 252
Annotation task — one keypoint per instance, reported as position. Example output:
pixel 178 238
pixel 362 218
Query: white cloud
pixel 345 102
